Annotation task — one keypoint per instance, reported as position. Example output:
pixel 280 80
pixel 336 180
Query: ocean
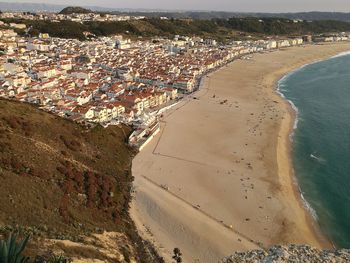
pixel 320 93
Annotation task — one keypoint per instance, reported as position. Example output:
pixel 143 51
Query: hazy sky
pixel 222 5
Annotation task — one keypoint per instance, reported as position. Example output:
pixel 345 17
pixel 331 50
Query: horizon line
pixel 154 10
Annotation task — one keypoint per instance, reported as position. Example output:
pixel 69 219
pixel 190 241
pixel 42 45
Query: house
pixel 272 44
pixel 115 110
pixel 18 26
pixel 101 114
pixel 18 81
pixel 84 97
pixel 48 83
pixel 82 74
pixel 128 115
pixel 45 72
pixel 160 97
pixel 134 102
pixel 87 112
pixel 38 45
pixel 170 92
pixel 115 90
pixel 185 85
pixel 81 97
pixel 65 65
pixel 307 38
pixel 283 43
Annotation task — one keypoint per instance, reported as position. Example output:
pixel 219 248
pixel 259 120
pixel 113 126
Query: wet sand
pixel 225 157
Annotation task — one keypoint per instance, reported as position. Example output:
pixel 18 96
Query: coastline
pixel 285 188
pixel 285 152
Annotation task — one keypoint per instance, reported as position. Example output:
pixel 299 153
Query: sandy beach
pixel 224 154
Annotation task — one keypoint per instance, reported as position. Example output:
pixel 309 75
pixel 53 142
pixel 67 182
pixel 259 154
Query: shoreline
pixel 285 147
pixel 286 186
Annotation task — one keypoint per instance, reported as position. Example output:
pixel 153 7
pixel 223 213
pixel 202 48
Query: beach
pixel 218 178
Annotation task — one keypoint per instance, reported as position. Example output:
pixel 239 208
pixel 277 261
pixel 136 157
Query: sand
pixel 225 157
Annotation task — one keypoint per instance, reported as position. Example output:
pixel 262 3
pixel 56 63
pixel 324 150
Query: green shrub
pixel 11 251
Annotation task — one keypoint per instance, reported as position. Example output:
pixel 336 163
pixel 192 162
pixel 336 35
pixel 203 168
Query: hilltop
pixel 63 181
pixel 75 10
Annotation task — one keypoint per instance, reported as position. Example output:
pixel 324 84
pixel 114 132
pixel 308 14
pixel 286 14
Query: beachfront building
pixel 171 93
pixel 283 43
pixel 184 85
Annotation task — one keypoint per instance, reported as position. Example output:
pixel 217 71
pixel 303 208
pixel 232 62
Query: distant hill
pixel 310 16
pixel 60 180
pixel 75 10
pixel 29 7
pixel 205 15
pixel 220 29
pixel 40 7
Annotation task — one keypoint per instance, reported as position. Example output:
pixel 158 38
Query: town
pixel 76 17
pixel 112 80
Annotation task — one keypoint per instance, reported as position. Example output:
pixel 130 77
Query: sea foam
pixel 342 54
pixel 330 220
pixel 308 207
pixel 317 158
pixel 295 108
pixel 280 84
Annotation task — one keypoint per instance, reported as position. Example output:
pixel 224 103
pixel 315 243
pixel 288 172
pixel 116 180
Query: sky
pixel 215 5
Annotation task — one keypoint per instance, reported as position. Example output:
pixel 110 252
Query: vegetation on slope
pixel 207 15
pixel 74 10
pixel 220 29
pixel 60 180
pixel 12 250
pixel 281 26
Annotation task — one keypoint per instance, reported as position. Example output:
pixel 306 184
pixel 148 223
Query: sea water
pixel 320 93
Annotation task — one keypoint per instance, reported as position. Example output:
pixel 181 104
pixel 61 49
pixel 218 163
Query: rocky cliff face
pixel 291 253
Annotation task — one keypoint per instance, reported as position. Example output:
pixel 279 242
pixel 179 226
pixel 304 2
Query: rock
pixel 289 254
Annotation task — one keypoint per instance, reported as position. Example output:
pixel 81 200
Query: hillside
pixel 220 29
pixel 62 181
pixel 207 15
pixel 74 10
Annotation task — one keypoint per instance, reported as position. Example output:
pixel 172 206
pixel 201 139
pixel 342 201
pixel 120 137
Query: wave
pixel 319 159
pixel 290 73
pixel 342 54
pixel 283 91
pixel 308 207
pixel 280 88
pixel 295 108
pixel 286 76
pixel 280 85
